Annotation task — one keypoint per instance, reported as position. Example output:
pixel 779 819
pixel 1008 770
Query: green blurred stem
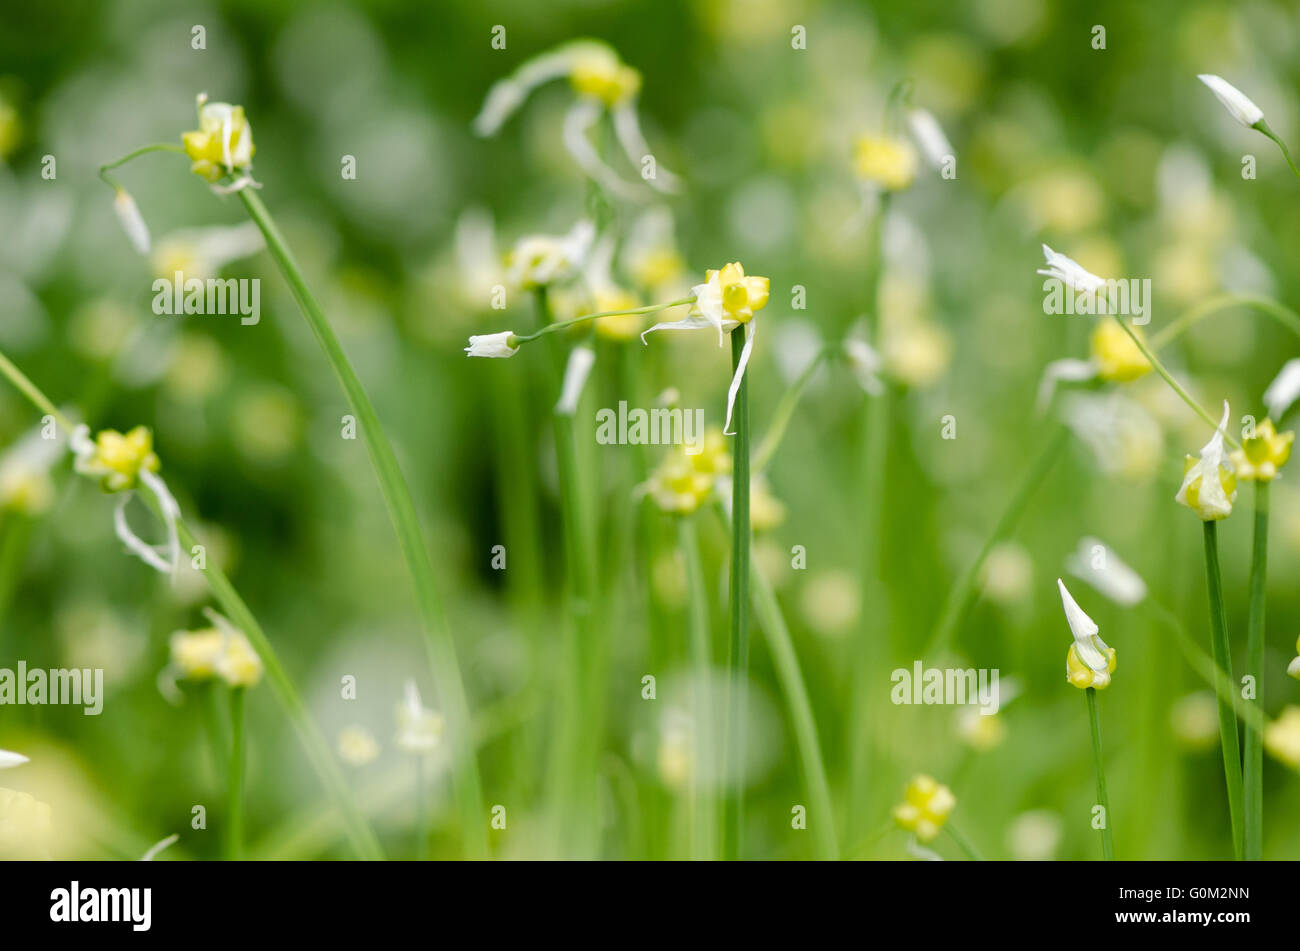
pixel 1253 782
pixel 704 826
pixel 963 842
pixel 785 412
pixel 1212 305
pixel 1223 660
pixel 235 818
pixel 962 594
pixel 768 613
pixel 1263 127
pixel 401 507
pixel 1205 667
pixel 363 840
pixel 1103 798
pixel 143 150
pixel 559 325
pixel 1173 383
pixel 738 657
pixel 15 530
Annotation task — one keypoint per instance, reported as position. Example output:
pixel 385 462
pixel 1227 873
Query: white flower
pixel 357 746
pixel 1062 371
pixel 492 345
pixel 866 365
pixel 507 95
pixel 1125 438
pixel 575 378
pixel 1070 272
pixel 1097 564
pixel 929 136
pixel 540 260
pixel 1209 497
pixel 1236 102
pixel 132 221
pixel 419 730
pixel 9 760
pixel 203 252
pixel 1284 390
pixel 1087 645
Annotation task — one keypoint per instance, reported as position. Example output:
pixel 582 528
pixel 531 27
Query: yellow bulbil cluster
pixel 741 295
pixel 1191 494
pixel 684 481
pixel 1262 455
pixel 1081 675
pixel 885 161
pixel 926 806
pixel 223 142
pixel 600 74
pixel 1117 358
pixel 118 459
pixel 211 653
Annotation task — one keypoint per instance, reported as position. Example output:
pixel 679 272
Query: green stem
pixel 768 612
pixel 559 325
pixel 421 812
pixel 1173 383
pixel 235 819
pixel 32 392
pixel 963 843
pixel 16 529
pixel 401 507
pixel 738 659
pixel 1262 126
pixel 785 412
pixel 1103 798
pixel 962 594
pixel 1253 782
pixel 704 827
pixel 1200 311
pixel 143 150
pixel 1223 658
pixel 318 752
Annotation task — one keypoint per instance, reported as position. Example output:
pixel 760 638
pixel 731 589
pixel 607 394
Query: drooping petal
pixel 507 95
pixel 627 128
pixel 577 122
pixel 686 323
pixel 575 378
pixel 1284 390
pixel 8 759
pixel 739 374
pixel 1062 371
pixel 1096 563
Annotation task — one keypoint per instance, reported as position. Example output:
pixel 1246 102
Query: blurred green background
pixel 1117 157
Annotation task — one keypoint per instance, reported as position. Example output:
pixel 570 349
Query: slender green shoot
pixel 963 842
pixel 704 818
pixel 1227 716
pixel 1103 797
pixel 738 659
pixel 235 800
pixel 1253 780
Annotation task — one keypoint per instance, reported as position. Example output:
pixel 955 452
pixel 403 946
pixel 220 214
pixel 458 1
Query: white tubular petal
pixel 1234 100
pixel 739 376
pixel 627 128
pixel 929 136
pixel 1112 577
pixel 1284 390
pixel 686 323
pixel 163 558
pixel 171 515
pixel 866 364
pixel 136 545
pixel 159 846
pixel 575 378
pixel 1084 630
pixel 507 95
pixel 8 760
pixel 132 221
pixel 579 119
pixel 1061 371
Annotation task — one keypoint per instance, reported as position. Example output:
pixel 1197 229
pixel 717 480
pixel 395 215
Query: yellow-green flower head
pixel 926 806
pixel 1089 662
pixel 541 260
pixel 1116 357
pixel 1262 455
pixel 25 826
pixel 195 654
pixel 357 746
pixel 1282 737
pixel 982 732
pixel 727 296
pixel 223 142
pixel 677 486
pixel 116 459
pixel 885 161
pixel 597 72
pixel 238 664
pixel 1209 485
pixel 765 510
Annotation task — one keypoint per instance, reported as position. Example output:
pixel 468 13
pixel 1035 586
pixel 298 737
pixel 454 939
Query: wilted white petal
pixel 739 375
pixel 929 136
pixel 1070 272
pixel 575 378
pixel 686 323
pixel 1062 371
pixel 627 128
pixel 1097 564
pixel 1212 501
pixel 1284 390
pixel 159 846
pixel 866 364
pixel 132 221
pixel 1236 101
pixel 492 345
pixel 577 122
pixel 8 760
pixel 506 95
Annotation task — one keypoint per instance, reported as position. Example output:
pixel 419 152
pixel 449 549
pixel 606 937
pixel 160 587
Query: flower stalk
pixel 738 657
pixel 1103 797
pixel 1253 780
pixel 1223 665
pixel 704 818
pixel 235 817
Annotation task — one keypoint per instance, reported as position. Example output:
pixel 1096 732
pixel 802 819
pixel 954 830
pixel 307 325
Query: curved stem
pixel 573 321
pixel 401 508
pixel 1223 658
pixel 963 843
pixel 1253 780
pixel 1103 798
pixel 738 660
pixel 785 412
pixel 235 818
pixel 1211 305
pixel 143 150
pixel 1262 126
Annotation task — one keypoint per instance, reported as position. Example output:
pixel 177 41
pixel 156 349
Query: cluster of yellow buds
pixel 597 72
pixel 684 481
pixel 926 806
pixel 215 652
pixel 1209 486
pixel 885 161
pixel 1117 358
pixel 116 459
pixel 223 142
pixel 1262 455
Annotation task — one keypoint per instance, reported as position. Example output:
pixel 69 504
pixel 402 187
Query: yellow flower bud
pixel 195 653
pixel 118 459
pixel 239 665
pixel 926 806
pixel 1081 675
pixel 1116 356
pixel 597 72
pixel 1262 455
pixel 684 481
pixel 741 295
pixel 223 142
pixel 885 161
